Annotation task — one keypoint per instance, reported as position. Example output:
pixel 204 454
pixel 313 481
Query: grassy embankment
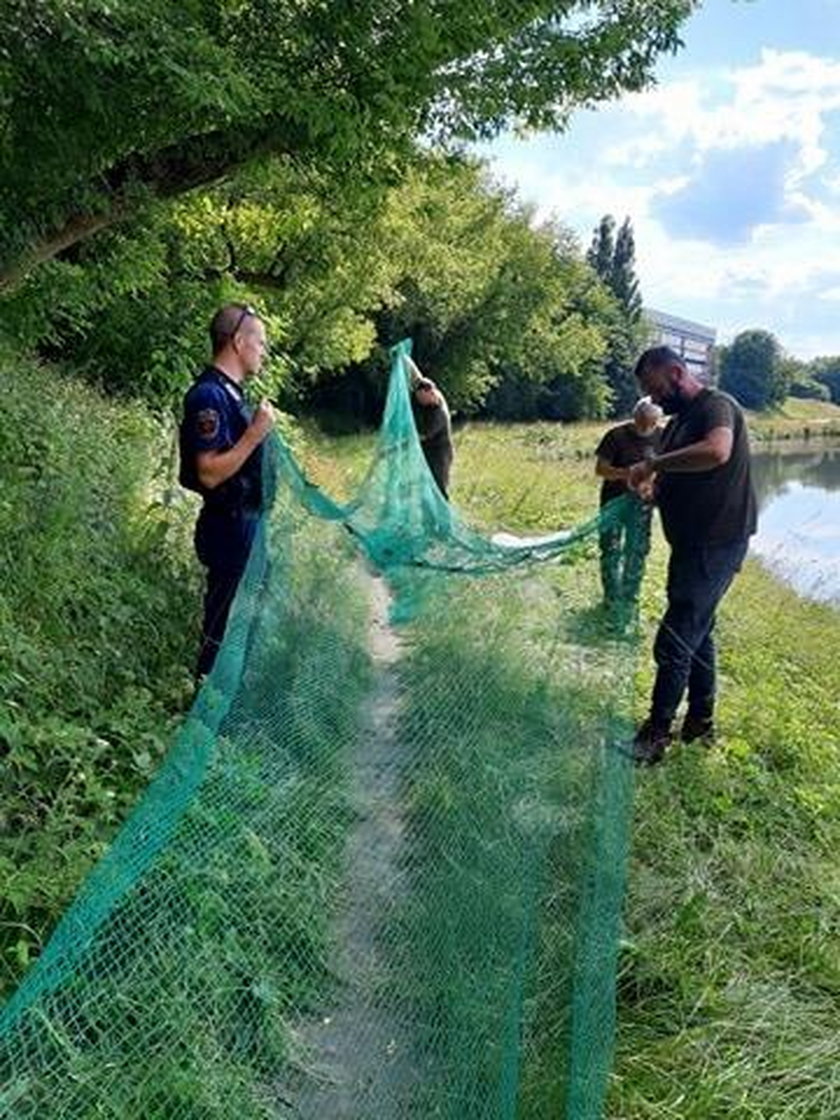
pixel 730 977
pixel 729 990
pixel 97 632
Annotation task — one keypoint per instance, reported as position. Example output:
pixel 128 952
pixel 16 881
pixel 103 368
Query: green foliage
pixel 444 256
pixel 800 383
pixel 96 626
pixel 753 371
pixel 809 388
pixel 730 974
pixel 488 297
pixel 613 257
pixel 827 372
pixel 124 313
pixel 232 920
pixel 131 310
pixel 104 105
pixel 466 770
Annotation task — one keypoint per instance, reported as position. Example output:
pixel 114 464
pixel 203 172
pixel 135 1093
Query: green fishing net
pixel 380 872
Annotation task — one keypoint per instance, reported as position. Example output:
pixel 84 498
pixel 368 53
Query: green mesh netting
pixel 380 872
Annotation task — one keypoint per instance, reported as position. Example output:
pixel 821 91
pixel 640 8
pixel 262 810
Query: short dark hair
pixel 423 383
pixel 227 321
pixel 656 357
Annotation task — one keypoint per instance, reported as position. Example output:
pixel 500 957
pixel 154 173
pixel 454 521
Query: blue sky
pixel 729 169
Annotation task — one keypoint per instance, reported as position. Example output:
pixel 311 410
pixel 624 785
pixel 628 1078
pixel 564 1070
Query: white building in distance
pixel 692 341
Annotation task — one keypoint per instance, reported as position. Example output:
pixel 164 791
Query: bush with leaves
pixel 98 616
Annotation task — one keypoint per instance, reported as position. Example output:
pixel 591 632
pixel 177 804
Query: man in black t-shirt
pixel 626 543
pixel 706 500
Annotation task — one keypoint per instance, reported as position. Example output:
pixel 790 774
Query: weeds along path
pixel 357 1057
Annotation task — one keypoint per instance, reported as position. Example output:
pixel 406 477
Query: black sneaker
pixel 649 744
pixel 698 727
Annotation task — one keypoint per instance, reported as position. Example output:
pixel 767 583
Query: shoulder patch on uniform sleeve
pixel 207 423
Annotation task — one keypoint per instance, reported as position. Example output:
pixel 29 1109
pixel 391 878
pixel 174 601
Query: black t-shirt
pixel 621 447
pixel 715 506
pixel 435 428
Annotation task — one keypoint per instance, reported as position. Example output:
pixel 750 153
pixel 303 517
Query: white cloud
pixel 784 96
pixel 781 272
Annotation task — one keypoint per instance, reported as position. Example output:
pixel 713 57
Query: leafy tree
pixel 131 307
pixel 801 384
pixel 753 370
pixel 107 104
pixel 485 295
pixel 444 256
pixel 826 371
pixel 613 257
pixel 717 356
pixel 602 250
pixel 622 279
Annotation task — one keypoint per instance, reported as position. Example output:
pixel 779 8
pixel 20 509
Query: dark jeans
pixel 223 541
pixel 624 547
pixel 684 650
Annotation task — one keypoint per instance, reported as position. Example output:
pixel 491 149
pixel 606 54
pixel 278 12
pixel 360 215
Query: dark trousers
pixel 223 542
pixel 624 547
pixel 440 464
pixel 684 650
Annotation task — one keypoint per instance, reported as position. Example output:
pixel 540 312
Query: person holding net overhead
pixel 434 426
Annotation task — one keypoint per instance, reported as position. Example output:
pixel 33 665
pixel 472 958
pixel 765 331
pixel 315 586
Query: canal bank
pixel 729 989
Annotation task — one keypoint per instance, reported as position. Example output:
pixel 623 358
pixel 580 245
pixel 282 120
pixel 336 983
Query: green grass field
pixel 729 988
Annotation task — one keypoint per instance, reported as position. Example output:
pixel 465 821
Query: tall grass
pixel 513 797
pixel 197 961
pixel 98 606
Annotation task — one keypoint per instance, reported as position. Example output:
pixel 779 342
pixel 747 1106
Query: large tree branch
pixel 171 171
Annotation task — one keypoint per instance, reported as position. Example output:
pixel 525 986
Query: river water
pixel 799 517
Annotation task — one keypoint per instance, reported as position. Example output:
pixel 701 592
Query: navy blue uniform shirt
pixel 216 415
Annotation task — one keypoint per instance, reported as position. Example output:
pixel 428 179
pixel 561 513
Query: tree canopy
pixel 613 257
pixel 444 256
pixel 826 371
pixel 105 104
pixel 753 370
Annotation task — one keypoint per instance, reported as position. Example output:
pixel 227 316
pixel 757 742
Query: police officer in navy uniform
pixel 221 440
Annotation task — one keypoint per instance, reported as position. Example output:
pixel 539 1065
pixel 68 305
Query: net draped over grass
pixel 371 879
